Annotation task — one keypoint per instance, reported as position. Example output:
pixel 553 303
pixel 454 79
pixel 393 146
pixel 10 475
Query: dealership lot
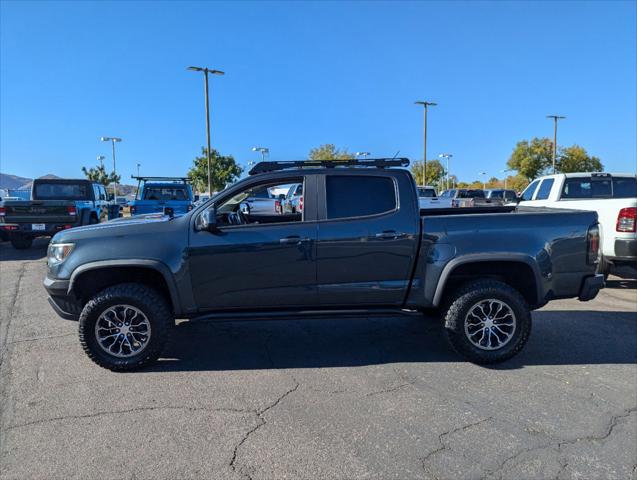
pixel 379 397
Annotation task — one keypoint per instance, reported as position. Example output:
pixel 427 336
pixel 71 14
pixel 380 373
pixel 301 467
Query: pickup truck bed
pixel 484 269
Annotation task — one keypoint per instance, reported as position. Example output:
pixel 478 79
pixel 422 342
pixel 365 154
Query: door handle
pixel 294 239
pixel 390 235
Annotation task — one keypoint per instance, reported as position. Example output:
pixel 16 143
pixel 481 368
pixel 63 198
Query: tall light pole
pixel 101 158
pixel 447 156
pixel 206 71
pixel 484 184
pixel 138 165
pixel 361 154
pixel 113 140
pixel 555 119
pixel 426 105
pixel 505 171
pixel 264 151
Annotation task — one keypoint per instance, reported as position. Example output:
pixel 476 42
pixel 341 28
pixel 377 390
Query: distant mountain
pixel 29 182
pixel 12 181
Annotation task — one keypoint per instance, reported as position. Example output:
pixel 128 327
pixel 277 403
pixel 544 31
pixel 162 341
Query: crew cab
pixel 56 204
pixel 612 195
pixel 361 244
pixel 171 195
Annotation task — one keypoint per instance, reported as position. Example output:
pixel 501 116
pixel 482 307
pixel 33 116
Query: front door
pixel 254 261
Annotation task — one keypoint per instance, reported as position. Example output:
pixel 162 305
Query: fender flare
pixel 487 257
pixel 156 265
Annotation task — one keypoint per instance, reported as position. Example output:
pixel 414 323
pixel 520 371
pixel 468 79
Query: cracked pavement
pixel 378 397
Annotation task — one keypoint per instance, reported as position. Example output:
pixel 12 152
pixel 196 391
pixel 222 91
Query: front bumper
pixel 64 303
pixel 591 287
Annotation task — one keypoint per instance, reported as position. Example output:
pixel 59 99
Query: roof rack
pixel 263 167
pixel 161 179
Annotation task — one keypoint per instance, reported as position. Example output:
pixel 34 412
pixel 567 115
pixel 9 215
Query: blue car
pixel 168 195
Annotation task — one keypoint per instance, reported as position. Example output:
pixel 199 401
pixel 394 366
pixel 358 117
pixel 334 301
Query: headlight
pixel 58 252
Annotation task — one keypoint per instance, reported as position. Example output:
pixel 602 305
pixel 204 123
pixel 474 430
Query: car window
pixel 358 196
pixel 61 191
pixel 475 194
pixel 624 187
pixel 545 189
pixel 528 192
pixel 165 193
pixel 510 195
pixel 587 187
pixel 426 192
pixel 260 192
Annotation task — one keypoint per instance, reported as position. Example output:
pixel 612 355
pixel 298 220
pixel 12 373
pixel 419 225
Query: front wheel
pixel 125 327
pixel 487 321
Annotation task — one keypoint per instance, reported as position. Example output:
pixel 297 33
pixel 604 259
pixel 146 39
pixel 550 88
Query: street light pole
pixel 206 71
pixel 138 165
pixel 263 150
pixel 361 154
pixel 425 104
pixel 484 184
pixel 447 156
pixel 100 158
pixel 555 119
pixel 505 176
pixel 113 140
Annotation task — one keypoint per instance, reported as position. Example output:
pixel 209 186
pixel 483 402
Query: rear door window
pixel 527 194
pixel 545 189
pixel 624 187
pixel 165 193
pixel 359 196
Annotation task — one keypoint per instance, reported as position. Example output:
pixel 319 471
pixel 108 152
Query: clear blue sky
pixel 302 74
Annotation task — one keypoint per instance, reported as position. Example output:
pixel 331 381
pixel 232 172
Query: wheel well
pixel 88 283
pixel 518 275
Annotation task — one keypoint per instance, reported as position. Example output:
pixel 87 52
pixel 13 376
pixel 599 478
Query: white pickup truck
pixel 612 195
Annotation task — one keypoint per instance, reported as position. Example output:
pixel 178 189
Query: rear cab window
pixel 61 191
pixel 165 193
pixel 351 196
pixel 599 186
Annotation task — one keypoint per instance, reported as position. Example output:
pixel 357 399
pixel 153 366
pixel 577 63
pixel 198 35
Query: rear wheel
pixel 21 243
pixel 487 321
pixel 125 327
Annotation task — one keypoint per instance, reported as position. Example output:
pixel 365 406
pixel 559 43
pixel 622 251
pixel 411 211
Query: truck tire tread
pixel 141 296
pixel 467 295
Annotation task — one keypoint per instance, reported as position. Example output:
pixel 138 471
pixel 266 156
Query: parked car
pixel 56 204
pixel 484 269
pixel 428 198
pixel 507 196
pixel 467 197
pixel 612 195
pixel 170 195
pixel 261 202
pixel 293 202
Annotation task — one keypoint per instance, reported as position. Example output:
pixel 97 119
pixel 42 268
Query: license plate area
pixel 38 227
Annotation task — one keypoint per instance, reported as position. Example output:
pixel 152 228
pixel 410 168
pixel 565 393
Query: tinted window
pixel 356 196
pixel 475 194
pixel 510 195
pixel 260 192
pixel 165 193
pixel 545 189
pixel 624 187
pixel 426 192
pixel 61 191
pixel 494 194
pixel 530 190
pixel 586 187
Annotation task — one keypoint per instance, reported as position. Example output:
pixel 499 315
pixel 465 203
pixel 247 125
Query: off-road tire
pixel 146 299
pixel 21 243
pixel 458 306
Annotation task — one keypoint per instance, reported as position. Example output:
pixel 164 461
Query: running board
pixel 278 315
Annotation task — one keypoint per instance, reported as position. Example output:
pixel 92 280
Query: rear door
pixel 367 238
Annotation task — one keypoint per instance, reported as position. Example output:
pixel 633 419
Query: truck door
pixel 367 238
pixel 256 259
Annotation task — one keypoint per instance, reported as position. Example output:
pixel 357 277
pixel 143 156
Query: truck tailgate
pixel 39 211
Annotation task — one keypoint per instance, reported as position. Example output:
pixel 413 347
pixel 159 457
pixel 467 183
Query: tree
pixel 329 151
pixel 532 159
pixel 224 170
pixel 517 182
pixel 435 173
pixel 576 159
pixel 98 174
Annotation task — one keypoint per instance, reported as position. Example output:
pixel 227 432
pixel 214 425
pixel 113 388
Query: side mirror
pixel 207 220
pixel 196 198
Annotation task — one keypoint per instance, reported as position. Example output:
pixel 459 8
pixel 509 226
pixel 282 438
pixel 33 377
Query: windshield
pixel 426 192
pixel 165 193
pixel 61 191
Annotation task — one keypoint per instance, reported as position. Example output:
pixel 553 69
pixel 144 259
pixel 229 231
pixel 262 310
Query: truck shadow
pixel 559 338
pixel 36 252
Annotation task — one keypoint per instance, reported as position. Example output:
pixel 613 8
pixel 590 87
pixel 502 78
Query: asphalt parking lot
pixel 318 398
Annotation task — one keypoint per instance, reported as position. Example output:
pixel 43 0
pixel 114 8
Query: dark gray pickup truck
pixel 360 243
